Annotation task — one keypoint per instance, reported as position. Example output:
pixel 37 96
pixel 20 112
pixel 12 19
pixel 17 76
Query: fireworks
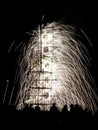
pixel 53 69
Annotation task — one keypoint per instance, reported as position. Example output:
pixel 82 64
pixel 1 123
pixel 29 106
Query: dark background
pixel 18 17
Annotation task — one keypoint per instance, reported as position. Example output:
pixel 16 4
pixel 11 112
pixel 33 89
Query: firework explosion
pixel 53 69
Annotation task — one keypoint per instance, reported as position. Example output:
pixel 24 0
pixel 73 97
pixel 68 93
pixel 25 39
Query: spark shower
pixel 53 68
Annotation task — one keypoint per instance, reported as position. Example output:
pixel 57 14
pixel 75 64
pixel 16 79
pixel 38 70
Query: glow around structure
pixel 53 69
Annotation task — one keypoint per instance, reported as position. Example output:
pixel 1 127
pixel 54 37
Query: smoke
pixel 53 68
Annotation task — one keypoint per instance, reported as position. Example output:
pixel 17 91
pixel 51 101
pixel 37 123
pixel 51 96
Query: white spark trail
pixel 6 90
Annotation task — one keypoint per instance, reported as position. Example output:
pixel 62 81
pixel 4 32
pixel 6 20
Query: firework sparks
pixel 53 70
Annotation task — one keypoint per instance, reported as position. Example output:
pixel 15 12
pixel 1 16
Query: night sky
pixel 16 19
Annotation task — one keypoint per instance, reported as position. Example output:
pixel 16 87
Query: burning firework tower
pixel 53 69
